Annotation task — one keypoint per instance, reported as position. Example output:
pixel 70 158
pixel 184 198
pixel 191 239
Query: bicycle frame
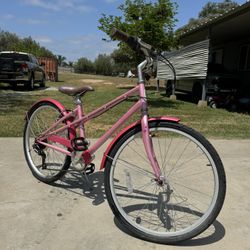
pixel 80 119
pixel 76 119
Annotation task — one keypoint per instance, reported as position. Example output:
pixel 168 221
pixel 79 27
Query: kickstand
pixel 84 175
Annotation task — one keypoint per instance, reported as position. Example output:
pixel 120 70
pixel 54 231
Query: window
pixel 15 56
pixel 33 59
pixel 245 57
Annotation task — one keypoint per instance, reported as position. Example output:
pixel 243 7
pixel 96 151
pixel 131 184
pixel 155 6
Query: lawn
pixel 212 123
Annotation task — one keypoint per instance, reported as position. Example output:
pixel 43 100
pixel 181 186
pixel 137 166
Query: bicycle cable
pixel 169 64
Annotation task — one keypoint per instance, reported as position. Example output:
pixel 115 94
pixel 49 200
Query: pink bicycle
pixel 163 181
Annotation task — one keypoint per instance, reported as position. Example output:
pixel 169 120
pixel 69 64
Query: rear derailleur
pixel 39 150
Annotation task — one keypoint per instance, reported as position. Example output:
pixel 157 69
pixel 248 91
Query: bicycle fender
pixel 53 101
pixel 131 126
pixel 72 131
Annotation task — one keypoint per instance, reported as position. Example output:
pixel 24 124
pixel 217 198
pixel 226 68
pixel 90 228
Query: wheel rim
pixel 142 202
pixel 40 120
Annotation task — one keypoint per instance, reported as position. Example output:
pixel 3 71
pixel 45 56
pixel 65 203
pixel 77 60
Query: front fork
pixel 147 139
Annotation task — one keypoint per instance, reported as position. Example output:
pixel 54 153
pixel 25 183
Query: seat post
pixel 77 100
pixel 80 113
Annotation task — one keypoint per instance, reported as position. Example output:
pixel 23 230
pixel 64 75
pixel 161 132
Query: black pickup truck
pixel 19 67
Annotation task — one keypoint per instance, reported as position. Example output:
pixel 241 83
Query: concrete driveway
pixel 67 215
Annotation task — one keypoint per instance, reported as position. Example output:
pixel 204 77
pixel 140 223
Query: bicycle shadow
pixel 94 190
pixel 20 88
pixel 214 233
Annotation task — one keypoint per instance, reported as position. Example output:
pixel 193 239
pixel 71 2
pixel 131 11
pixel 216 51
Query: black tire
pixel 154 209
pixel 213 104
pixel 14 86
pixel 43 82
pixel 31 83
pixel 56 164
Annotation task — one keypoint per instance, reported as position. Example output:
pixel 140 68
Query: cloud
pixel 110 1
pixel 90 46
pixel 31 21
pixel 59 5
pixel 8 16
pixel 44 39
pixel 42 4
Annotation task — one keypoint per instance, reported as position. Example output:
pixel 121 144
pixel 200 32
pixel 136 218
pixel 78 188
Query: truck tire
pixel 14 85
pixel 42 83
pixel 31 83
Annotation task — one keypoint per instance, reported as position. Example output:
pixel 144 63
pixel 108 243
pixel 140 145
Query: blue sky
pixel 69 27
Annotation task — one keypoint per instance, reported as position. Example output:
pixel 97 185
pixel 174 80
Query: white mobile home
pixel 223 41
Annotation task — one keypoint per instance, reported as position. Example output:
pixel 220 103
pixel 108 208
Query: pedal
pixel 90 169
pixel 79 144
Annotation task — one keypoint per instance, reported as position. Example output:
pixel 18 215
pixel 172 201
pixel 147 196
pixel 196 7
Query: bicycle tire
pixel 56 164
pixel 118 183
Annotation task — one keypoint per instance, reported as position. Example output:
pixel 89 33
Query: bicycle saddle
pixel 73 91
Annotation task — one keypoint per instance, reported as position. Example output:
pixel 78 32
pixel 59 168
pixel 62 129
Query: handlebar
pixel 138 45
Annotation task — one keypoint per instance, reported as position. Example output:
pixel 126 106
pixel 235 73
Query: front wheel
pixel 192 192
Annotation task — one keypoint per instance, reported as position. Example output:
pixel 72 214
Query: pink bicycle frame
pixel 76 118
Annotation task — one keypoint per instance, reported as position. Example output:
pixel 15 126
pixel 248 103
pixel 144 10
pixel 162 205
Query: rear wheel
pixel 190 196
pixel 45 163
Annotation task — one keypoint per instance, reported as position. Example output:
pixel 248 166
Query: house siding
pixel 189 62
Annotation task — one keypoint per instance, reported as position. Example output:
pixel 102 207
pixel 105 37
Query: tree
pixel 10 41
pixel 153 22
pixel 84 65
pixel 120 59
pixel 61 60
pixel 210 10
pixel 70 63
pixel 104 65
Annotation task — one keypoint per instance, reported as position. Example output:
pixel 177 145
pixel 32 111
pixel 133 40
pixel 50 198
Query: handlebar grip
pixel 118 34
pixel 134 42
pixel 122 36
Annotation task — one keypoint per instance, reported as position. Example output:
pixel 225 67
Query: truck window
pixel 34 60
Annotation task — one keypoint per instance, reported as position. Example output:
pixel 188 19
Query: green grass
pixel 212 123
